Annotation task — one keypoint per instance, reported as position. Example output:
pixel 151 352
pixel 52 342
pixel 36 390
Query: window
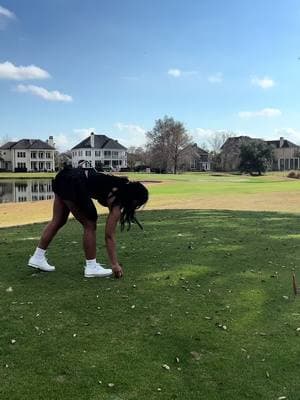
pixel 97 153
pixel 48 155
pixel 88 153
pixel 21 154
pixel 33 154
pixel 296 163
pixel 21 165
pixel 286 163
pixel 291 163
pixel 107 153
pixel 41 154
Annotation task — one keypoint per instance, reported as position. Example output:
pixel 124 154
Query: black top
pixel 79 185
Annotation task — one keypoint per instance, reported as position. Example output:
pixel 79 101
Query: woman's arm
pixel 110 239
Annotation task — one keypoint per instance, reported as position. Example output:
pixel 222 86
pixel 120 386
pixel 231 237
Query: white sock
pixel 39 253
pixel 91 263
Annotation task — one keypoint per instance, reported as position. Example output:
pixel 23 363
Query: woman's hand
pixel 117 270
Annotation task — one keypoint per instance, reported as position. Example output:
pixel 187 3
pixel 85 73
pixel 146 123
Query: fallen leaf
pixel 165 366
pixel 195 355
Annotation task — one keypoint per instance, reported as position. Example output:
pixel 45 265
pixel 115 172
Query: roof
pixel 286 143
pixel 7 146
pixel 101 142
pixel 24 144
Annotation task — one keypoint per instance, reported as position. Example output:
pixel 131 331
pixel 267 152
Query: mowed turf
pixel 205 311
pixel 272 192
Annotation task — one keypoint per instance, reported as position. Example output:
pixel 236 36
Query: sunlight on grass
pixel 179 273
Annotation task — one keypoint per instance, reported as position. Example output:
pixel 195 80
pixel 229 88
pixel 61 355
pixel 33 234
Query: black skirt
pixel 72 184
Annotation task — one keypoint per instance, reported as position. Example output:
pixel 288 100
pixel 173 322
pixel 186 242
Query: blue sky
pixel 68 67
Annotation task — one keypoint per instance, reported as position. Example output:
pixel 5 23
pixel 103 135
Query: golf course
pixel 206 308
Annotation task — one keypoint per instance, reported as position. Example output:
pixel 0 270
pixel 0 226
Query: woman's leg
pixel 59 218
pixel 87 216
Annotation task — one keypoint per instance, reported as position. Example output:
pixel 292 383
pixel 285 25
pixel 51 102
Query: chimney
pixel 281 142
pixel 92 139
pixel 50 141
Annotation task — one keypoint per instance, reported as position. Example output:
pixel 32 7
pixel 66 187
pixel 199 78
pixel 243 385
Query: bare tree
pixel 217 140
pixel 4 139
pixel 166 142
pixel 135 156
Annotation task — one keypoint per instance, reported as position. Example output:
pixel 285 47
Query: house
pixel 28 155
pixel 100 151
pixel 25 190
pixel 286 154
pixel 230 152
pixel 195 159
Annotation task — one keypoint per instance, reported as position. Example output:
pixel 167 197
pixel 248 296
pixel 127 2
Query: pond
pixel 20 190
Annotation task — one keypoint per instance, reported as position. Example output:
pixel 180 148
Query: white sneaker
pixel 40 263
pixel 96 271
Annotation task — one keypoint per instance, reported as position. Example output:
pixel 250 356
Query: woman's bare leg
pixel 89 228
pixel 59 218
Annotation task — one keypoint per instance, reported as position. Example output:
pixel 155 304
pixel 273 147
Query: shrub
pixel 292 174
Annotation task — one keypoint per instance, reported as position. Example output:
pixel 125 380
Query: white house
pixel 29 155
pixel 101 152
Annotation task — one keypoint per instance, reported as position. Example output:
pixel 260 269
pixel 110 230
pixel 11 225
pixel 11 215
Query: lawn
pixel 205 311
pixel 272 192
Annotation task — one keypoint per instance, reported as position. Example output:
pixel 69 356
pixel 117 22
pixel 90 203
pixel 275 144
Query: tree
pixel 166 143
pixel 256 157
pixel 216 141
pixel 136 156
pixel 62 159
pixel 4 139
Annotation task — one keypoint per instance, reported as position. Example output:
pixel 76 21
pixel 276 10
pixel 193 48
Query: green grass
pixel 27 175
pixel 188 275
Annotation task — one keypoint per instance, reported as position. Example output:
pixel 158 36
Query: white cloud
pixel 131 134
pixel 5 16
pixel 216 78
pixel 264 83
pixel 83 133
pixel 175 72
pixel 9 71
pixel 55 95
pixel 265 112
pixel 288 133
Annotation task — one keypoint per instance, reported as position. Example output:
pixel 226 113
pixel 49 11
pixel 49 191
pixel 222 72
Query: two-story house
pixel 194 158
pixel 100 152
pixel 28 155
pixel 286 154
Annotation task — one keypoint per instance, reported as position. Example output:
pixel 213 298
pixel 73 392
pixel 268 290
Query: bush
pixel 294 175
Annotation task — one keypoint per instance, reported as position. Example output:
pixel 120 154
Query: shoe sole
pixel 37 267
pixel 97 276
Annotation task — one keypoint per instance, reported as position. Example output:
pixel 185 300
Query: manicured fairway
pixel 205 311
pixel 273 192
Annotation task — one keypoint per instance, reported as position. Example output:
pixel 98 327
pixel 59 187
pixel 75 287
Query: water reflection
pixel 13 191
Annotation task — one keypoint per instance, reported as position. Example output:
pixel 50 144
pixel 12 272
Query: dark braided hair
pixel 130 196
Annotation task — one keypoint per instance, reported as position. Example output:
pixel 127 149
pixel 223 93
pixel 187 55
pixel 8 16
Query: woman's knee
pixel 90 225
pixel 59 223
